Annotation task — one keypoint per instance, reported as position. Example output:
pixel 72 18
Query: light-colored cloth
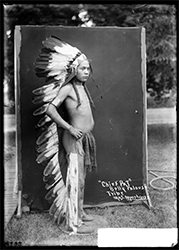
pixel 76 157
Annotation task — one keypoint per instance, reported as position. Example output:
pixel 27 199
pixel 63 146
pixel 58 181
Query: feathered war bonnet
pixel 57 62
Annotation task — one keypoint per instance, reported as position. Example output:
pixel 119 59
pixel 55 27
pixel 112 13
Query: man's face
pixel 83 71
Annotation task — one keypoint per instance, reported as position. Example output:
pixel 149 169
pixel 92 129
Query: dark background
pixel 118 93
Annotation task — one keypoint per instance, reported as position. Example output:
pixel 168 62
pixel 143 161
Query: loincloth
pixel 89 147
pixel 85 145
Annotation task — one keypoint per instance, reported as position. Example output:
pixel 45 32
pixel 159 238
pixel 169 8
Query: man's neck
pixel 79 83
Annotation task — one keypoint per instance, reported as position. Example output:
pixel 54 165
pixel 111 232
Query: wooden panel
pixel 10 199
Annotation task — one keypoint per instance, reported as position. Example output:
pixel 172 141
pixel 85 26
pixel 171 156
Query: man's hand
pixel 77 133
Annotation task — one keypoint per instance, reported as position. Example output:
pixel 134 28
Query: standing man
pixel 77 147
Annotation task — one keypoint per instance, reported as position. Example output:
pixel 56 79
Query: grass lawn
pixel 40 230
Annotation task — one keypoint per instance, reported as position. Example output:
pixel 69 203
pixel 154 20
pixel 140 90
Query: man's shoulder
pixel 66 88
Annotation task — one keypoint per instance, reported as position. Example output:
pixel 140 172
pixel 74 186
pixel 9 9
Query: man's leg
pixel 73 146
pixel 82 176
pixel 81 187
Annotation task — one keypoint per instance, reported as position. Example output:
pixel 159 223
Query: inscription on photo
pixel 123 190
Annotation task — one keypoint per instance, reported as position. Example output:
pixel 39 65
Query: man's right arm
pixel 55 116
pixel 52 108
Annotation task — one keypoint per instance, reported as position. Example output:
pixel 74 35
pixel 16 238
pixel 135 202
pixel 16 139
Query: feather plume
pixel 43 121
pixel 45 136
pixel 48 186
pixel 51 80
pixel 59 214
pixel 58 187
pixel 58 202
pixel 45 92
pixel 60 46
pixel 50 179
pixel 45 98
pixel 53 191
pixel 47 154
pixel 55 170
pixel 47 145
pixel 51 165
pixel 50 195
pixel 53 209
pixel 41 110
pixel 50 131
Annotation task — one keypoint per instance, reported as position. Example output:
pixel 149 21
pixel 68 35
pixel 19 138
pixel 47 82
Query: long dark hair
pixel 86 89
pixel 78 96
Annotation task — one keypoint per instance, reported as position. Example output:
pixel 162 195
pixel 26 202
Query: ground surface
pixel 40 230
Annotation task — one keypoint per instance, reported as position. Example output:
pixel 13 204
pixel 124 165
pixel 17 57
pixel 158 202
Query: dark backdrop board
pixel 118 90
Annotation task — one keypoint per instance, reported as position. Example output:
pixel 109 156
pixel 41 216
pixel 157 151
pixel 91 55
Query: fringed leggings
pixel 75 156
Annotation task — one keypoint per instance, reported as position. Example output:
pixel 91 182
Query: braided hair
pixel 78 96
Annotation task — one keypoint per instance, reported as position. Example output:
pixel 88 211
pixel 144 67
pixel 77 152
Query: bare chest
pixel 80 116
pixel 80 96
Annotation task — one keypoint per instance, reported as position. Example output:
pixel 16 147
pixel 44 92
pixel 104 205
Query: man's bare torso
pixel 80 117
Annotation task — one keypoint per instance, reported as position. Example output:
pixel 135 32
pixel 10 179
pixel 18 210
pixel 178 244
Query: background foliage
pixel 158 19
